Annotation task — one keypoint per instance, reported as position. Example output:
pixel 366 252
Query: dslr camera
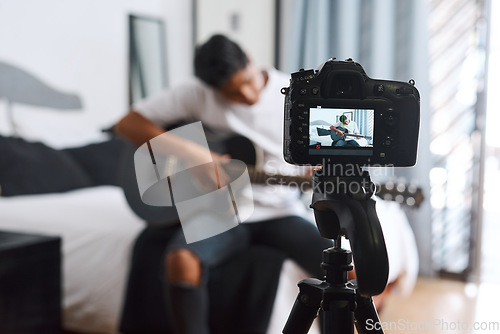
pixel 338 115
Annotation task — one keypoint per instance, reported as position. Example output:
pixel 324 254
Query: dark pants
pixel 351 143
pixel 295 237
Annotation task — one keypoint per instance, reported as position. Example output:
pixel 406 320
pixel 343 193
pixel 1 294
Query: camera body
pixel 338 115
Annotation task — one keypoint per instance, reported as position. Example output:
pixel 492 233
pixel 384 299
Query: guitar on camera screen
pixel 343 132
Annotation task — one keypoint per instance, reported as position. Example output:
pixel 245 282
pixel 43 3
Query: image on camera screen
pixel 335 131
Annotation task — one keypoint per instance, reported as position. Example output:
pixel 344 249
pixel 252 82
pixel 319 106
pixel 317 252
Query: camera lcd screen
pixel 341 132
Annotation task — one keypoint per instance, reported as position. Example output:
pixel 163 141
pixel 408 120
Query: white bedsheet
pixel 98 231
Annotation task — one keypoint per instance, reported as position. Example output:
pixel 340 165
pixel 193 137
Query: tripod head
pixel 343 206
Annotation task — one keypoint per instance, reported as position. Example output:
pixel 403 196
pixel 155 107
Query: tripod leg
pixel 306 306
pixel 367 321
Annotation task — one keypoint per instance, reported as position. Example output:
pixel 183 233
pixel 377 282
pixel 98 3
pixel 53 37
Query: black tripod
pixel 343 207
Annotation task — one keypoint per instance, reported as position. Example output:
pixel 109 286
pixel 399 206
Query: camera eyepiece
pixel 344 86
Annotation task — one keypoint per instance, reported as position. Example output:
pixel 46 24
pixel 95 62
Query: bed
pixel 99 232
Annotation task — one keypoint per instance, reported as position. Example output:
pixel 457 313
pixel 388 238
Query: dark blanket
pixel 34 168
pixel 242 290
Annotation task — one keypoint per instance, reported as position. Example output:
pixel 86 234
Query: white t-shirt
pixel 352 128
pixel 262 123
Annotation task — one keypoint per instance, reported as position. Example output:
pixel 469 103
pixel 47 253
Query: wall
pixel 81 47
pixel 250 23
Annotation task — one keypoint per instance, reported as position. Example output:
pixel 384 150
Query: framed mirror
pixel 147 57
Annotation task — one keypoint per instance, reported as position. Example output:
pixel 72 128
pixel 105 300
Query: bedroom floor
pixel 444 306
pixel 441 306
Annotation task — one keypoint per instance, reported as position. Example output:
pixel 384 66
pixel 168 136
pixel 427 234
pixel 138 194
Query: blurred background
pixel 97 57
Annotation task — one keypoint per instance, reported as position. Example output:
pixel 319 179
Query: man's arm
pixel 138 129
pixel 356 129
pixel 334 128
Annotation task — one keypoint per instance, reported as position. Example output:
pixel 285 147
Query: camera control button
pixel 404 91
pixel 390 117
pixel 315 90
pixel 388 142
pixel 303 91
pixel 379 89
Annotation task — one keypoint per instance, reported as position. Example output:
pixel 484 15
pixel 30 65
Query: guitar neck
pixel 359 136
pixel 408 195
pixel 260 177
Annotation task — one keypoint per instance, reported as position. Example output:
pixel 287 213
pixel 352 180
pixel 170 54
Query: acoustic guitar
pixel 239 148
pixel 337 136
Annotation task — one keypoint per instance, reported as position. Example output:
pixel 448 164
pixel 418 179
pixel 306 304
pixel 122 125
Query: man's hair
pixel 217 60
pixel 343 118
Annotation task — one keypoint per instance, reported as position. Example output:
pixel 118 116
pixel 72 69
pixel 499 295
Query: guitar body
pixel 336 136
pixel 238 147
pixel 155 215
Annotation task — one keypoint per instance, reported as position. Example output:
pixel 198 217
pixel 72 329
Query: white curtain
pixel 384 36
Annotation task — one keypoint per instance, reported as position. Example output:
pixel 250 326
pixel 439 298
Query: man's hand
pixel 337 130
pixel 219 160
pixel 310 170
pixel 208 173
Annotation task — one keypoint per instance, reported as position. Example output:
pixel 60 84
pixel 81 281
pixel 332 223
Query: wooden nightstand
pixel 30 284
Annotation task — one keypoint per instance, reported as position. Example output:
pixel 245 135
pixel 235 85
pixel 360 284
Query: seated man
pixel 345 124
pixel 230 95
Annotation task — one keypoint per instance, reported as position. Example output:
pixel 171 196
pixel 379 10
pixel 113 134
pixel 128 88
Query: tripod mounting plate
pixel 343 207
